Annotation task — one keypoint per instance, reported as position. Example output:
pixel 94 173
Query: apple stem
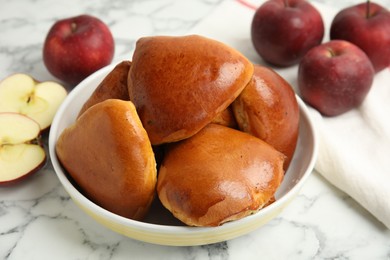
pixel 368 9
pixel 73 26
pixel 331 52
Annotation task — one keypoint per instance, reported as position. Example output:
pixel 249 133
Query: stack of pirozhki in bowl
pixel 189 121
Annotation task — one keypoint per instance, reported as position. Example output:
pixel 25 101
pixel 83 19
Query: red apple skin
pixel 282 34
pixel 371 34
pixel 335 77
pixel 76 47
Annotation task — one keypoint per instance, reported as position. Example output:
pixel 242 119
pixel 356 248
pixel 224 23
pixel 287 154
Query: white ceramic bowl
pixel 160 227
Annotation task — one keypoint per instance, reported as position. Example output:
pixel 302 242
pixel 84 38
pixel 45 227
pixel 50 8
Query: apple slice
pixel 22 94
pixel 21 153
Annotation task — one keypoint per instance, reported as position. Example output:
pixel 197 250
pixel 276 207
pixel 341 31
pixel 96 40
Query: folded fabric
pixel 354 148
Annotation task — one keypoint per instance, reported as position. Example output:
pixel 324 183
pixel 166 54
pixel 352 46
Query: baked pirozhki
pixel 268 109
pixel 113 86
pixel 180 84
pixel 221 131
pixel 218 175
pixel 108 154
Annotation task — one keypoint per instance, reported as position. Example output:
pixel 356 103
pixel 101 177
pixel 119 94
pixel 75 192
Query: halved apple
pixel 22 94
pixel 21 152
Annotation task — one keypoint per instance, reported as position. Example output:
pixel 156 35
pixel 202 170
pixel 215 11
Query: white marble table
pixel 39 221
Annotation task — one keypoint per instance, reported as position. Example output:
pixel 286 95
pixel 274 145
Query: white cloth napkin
pixel 354 148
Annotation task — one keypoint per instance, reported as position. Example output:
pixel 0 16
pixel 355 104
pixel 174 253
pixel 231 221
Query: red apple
pixel 335 77
pixel 282 31
pixel 76 47
pixel 367 25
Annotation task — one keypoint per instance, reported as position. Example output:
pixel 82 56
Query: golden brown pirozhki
pixel 267 108
pixel 218 175
pixel 184 96
pixel 113 86
pixel 108 154
pixel 180 84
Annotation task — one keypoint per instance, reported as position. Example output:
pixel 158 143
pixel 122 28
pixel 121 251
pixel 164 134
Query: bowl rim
pixel 76 195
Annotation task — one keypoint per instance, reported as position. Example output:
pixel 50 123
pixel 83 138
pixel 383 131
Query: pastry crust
pixel 218 175
pixel 113 86
pixel 268 109
pixel 108 154
pixel 180 84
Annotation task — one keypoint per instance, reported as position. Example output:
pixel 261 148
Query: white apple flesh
pixel 21 154
pixel 20 93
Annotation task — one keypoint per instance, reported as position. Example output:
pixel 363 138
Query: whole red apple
pixel 335 77
pixel 367 25
pixel 76 47
pixel 282 31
